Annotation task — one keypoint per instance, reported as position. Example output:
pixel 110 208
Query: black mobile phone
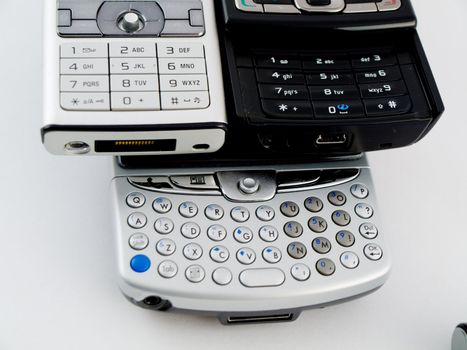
pixel 326 77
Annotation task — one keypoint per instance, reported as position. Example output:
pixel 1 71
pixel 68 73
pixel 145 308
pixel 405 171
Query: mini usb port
pixel 260 319
pixel 331 139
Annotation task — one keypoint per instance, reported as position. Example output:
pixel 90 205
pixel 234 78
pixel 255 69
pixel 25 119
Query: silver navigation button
pixel 248 185
pixel 131 22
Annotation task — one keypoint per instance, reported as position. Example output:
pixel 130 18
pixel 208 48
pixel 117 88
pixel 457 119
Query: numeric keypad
pixel 133 76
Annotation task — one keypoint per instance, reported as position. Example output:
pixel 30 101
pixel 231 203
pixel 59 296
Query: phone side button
pixel 287 109
pixel 255 278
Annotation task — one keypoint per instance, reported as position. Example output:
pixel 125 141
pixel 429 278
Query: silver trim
pixel 290 9
pixel 389 5
pixel 295 184
pixel 366 7
pixel 248 6
pixel 229 186
pixel 334 6
pixel 316 187
pixel 410 24
pixel 137 181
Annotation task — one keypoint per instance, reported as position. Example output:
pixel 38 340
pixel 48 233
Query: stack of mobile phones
pixel 241 189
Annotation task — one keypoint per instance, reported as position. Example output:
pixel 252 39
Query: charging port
pixel 259 319
pixel 331 140
pixel 135 146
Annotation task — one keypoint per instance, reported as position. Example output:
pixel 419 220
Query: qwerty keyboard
pixel 250 234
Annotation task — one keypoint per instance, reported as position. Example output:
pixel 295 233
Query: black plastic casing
pixel 243 33
pixel 234 19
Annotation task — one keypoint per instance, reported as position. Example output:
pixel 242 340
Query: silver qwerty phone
pixel 248 244
pixel 129 77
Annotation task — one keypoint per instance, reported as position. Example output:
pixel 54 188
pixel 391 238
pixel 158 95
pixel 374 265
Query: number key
pixel 149 82
pixel 133 66
pixel 280 76
pixel 84 83
pixel 192 82
pixel 182 66
pixel 342 92
pixel 377 75
pixel 374 60
pixel 283 92
pixel 181 50
pixel 132 50
pixel 330 78
pixel 273 61
pixel 84 66
pixel 95 50
pixel 135 101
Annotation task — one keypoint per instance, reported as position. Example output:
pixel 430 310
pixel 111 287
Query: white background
pixel 56 256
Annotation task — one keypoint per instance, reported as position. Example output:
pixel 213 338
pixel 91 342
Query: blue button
pixel 140 263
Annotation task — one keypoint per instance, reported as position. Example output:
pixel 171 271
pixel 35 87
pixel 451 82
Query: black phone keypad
pixel 331 86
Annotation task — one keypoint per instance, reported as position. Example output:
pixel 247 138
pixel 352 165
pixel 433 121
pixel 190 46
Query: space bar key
pixel 256 278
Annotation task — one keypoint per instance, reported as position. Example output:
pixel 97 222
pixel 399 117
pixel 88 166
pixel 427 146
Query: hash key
pixel 388 106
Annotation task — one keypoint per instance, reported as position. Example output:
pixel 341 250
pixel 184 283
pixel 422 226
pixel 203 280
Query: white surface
pixel 56 253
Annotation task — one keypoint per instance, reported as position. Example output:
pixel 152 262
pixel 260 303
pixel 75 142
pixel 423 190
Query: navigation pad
pixel 130 18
